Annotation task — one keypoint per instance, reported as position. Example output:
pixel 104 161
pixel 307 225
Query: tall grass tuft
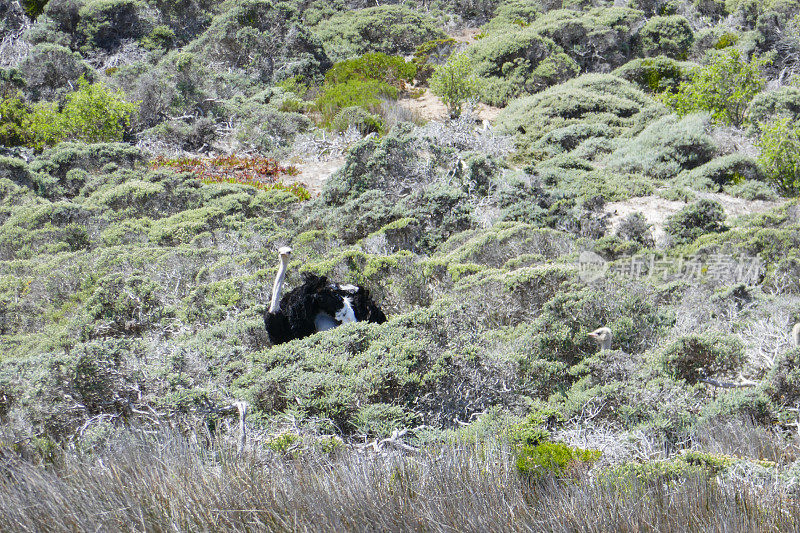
pixel 164 482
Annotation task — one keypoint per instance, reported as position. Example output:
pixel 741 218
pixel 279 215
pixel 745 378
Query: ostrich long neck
pixel 275 305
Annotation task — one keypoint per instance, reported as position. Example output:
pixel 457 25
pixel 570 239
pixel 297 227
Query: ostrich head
pixel 284 253
pixel 796 335
pixel 603 337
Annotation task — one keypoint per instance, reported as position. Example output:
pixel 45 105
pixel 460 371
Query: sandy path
pixel 656 209
pixel 313 174
pixel 430 107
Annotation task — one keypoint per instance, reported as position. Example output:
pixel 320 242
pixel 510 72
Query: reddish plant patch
pixel 255 171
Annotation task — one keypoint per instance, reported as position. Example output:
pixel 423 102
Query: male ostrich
pixel 603 337
pixel 316 305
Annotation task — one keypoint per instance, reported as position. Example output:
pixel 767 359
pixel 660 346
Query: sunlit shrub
pixel 93 113
pixel 705 216
pixel 51 70
pixel 696 357
pixel 392 70
pixel 553 458
pixel 670 36
pixel 654 74
pixel 366 94
pixel 517 62
pixel 769 106
pixel 780 154
pixel 389 29
pixel 106 23
pixel 724 87
pixel 454 83
pixel 666 147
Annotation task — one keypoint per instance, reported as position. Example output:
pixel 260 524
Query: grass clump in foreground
pixel 163 481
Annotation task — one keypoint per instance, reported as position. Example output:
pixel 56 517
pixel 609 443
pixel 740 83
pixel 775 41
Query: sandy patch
pixel 430 107
pixel 313 174
pixel 466 35
pixel 656 210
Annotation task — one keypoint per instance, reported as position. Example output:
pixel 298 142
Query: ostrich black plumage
pixel 316 305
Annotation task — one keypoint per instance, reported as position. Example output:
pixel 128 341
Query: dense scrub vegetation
pixel 154 156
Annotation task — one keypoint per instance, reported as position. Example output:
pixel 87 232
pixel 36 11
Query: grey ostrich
pixel 796 335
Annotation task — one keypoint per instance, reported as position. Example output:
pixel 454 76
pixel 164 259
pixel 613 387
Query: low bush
pixel 391 70
pixel 94 113
pixel 780 154
pixel 705 216
pixel 265 39
pixel 655 74
pixel 724 87
pixel 670 36
pixel 666 147
pixel 513 63
pixel 105 24
pixel 635 228
pixel 389 29
pixel 258 172
pixel 783 380
pixel 608 105
pixel 454 83
pixel 771 105
pixel 731 169
pixel 366 94
pixel 697 357
pixel 553 458
pixel 50 71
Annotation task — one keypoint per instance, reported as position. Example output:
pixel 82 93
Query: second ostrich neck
pixel 277 287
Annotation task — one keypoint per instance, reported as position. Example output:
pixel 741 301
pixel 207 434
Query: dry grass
pixel 164 483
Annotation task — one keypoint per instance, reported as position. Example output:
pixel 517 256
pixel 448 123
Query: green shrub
pixel 705 216
pixel 265 39
pixel 106 23
pixel 783 380
pixel 666 147
pixel 361 93
pixel 669 36
pixel 780 154
pixel 635 227
pixel 553 458
pixel 14 121
pixel 607 104
pixel 771 105
pixel 612 32
pixel 430 54
pixel 49 70
pixel 655 74
pixel 359 118
pixel 512 63
pixel 93 113
pixel 390 29
pixel 725 170
pixel 696 357
pixel 512 14
pixel 160 38
pixel 392 70
pixel 724 87
pixel 454 83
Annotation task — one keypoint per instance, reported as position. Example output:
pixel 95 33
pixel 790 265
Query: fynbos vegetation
pixel 536 265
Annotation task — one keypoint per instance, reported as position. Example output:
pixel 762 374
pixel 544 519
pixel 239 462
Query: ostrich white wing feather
pixel 346 313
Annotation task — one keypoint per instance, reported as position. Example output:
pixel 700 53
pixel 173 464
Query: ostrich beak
pixel 593 335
